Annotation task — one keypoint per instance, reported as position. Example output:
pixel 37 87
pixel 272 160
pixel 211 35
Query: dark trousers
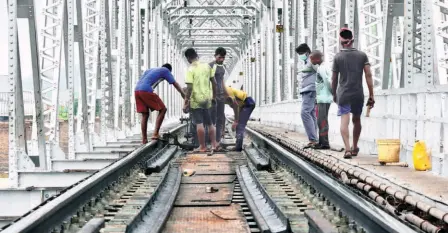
pixel 245 112
pixel 322 122
pixel 218 118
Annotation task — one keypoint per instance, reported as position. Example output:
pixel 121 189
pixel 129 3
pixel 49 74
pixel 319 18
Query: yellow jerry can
pixel 420 156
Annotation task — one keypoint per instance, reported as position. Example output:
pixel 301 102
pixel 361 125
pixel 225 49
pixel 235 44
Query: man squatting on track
pixel 350 63
pixel 242 106
pixel 323 98
pixel 146 99
pixel 217 110
pixel 201 92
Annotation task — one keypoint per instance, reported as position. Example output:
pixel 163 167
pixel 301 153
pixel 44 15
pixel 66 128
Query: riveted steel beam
pixel 175 10
pixel 211 28
pixel 212 16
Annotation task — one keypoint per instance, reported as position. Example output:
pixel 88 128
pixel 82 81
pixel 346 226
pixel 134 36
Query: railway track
pixel 161 188
pixel 349 199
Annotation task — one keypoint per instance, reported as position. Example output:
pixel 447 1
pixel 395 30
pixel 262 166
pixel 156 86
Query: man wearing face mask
pixel 308 93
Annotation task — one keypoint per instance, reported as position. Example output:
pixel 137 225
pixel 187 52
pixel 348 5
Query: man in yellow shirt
pixel 243 106
pixel 199 97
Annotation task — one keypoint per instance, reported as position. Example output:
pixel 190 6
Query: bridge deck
pixel 418 182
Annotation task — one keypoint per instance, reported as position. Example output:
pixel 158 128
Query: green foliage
pixel 63 114
pixel 98 108
pixel 75 106
pixel 63 110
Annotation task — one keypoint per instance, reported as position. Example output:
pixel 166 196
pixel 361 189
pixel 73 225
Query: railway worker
pixel 146 99
pixel 323 98
pixel 217 113
pixel 308 92
pixel 199 97
pixel 350 64
pixel 242 106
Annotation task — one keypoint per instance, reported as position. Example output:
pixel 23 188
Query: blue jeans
pixel 245 112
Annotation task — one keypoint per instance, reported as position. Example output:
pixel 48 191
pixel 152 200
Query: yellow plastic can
pixel 388 150
pixel 420 156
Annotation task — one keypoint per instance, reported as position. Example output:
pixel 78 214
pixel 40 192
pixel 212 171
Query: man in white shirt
pixel 323 98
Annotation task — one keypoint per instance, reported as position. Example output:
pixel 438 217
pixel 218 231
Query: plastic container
pixel 388 150
pixel 421 157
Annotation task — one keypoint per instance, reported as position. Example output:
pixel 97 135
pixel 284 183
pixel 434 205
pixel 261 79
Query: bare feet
pixel 145 140
pixel 155 137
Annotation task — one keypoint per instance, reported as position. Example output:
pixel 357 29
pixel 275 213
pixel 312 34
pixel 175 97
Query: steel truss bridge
pixel 99 49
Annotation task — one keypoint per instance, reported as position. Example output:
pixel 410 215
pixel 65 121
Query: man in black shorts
pixel 199 97
pixel 350 64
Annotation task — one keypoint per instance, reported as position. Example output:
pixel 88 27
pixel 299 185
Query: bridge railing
pixel 406 114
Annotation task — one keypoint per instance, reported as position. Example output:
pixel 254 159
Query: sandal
pixel 219 149
pixel 198 150
pixel 355 151
pixel 348 154
pixel 310 145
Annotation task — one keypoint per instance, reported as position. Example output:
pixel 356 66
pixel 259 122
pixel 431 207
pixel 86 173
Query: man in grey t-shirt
pixel 350 64
pixel 217 110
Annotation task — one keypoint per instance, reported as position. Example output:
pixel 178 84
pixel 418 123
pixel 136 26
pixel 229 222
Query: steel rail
pixel 57 209
pixel 156 212
pixel 274 218
pixel 258 157
pixel 366 214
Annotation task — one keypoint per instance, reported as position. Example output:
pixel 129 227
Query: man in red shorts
pixel 146 99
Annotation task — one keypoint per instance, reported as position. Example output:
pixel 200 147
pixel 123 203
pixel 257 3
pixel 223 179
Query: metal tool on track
pixel 166 139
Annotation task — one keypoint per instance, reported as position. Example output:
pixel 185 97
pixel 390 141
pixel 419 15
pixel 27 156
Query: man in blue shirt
pixel 146 99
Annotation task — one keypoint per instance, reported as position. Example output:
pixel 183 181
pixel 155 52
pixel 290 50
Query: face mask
pixel 303 57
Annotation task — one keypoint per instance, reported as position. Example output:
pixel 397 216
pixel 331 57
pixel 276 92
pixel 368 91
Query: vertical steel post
pixel 82 104
pixel 107 100
pixel 286 65
pixel 71 77
pixel 50 54
pixel 13 72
